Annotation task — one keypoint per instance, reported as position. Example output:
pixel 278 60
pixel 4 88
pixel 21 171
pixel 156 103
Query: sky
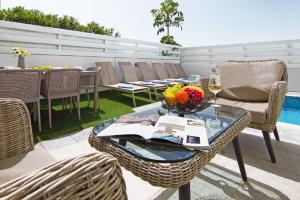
pixel 207 22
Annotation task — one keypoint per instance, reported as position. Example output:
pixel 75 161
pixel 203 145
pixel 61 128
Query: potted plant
pixel 21 53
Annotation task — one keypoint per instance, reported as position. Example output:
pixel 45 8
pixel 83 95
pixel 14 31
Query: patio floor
pixel 220 179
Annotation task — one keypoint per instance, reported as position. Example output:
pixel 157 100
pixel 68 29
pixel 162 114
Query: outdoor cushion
pixel 21 164
pixel 249 80
pixel 258 110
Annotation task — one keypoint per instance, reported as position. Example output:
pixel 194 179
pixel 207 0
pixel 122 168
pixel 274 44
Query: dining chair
pixel 61 83
pixel 87 82
pixel 24 85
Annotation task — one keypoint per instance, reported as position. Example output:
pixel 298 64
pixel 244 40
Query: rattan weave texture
pixel 92 176
pixel 169 175
pixel 15 128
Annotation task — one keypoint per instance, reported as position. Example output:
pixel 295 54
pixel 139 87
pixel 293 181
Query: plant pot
pixel 21 62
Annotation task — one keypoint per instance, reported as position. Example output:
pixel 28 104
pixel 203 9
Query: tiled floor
pixel 220 179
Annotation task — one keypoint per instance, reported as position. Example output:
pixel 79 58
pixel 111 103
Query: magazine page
pixel 170 128
pixel 131 125
pixel 190 133
pixel 196 135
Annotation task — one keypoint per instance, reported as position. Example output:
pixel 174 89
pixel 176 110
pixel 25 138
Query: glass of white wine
pixel 215 86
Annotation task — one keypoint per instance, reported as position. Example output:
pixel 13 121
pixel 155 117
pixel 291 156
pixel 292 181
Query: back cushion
pixel 249 80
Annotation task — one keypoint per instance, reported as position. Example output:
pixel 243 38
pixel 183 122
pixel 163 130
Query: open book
pixel 182 131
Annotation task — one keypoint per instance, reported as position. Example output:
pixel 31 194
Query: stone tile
pixel 38 146
pixel 73 150
pixel 58 143
pixel 138 189
pixel 82 135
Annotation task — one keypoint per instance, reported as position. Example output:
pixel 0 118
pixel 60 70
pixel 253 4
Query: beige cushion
pixel 249 81
pixel 24 163
pixel 258 110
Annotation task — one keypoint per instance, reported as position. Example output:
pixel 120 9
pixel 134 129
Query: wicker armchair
pixel 257 86
pixel 92 176
pixel 61 83
pixel 24 85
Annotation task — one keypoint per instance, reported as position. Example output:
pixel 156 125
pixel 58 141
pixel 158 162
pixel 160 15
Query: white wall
pixel 201 60
pixel 57 47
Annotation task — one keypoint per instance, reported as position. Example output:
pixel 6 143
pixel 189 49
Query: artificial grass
pixel 112 104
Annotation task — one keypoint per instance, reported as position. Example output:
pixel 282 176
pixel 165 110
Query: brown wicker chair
pixel 257 86
pixel 24 85
pixel 92 176
pixel 87 82
pixel 61 83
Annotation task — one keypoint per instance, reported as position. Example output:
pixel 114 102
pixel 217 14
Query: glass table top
pixel 217 121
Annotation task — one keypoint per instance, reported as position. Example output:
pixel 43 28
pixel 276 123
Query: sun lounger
pixel 172 71
pixel 180 70
pixel 130 76
pixel 109 80
pixel 163 75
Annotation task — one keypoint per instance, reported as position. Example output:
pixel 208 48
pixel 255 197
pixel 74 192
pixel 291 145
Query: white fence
pixel 201 60
pixel 58 47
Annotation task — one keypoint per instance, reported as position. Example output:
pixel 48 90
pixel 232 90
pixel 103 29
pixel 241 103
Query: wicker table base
pixel 177 174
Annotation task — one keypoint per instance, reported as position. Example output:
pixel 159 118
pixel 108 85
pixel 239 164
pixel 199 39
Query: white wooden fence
pixel 202 59
pixel 58 47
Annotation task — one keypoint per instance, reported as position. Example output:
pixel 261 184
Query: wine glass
pixel 215 87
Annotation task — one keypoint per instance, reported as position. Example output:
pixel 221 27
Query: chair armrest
pixel 275 102
pixel 92 176
pixel 15 131
pixel 208 94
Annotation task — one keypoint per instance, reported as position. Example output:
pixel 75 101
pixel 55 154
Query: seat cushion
pixel 258 110
pixel 24 163
pixel 249 81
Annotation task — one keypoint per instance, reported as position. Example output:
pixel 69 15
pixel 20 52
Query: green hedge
pixel 36 17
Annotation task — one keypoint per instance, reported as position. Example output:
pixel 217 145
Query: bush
pixel 169 40
pixel 36 17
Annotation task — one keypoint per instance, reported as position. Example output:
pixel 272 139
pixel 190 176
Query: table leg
pixel 96 97
pixel 239 158
pixel 185 192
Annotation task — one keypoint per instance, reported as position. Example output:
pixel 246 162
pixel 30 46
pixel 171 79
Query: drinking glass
pixel 215 87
